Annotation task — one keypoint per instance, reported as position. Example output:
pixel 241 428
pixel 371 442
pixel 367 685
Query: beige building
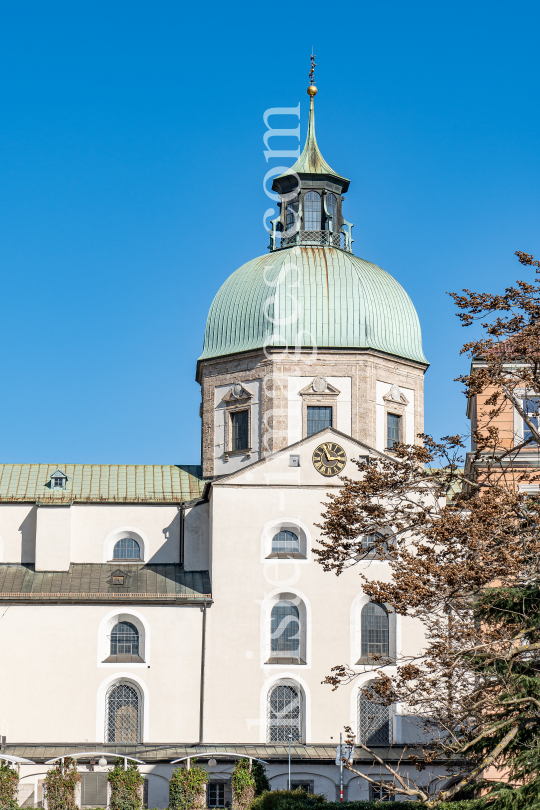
pixel 165 611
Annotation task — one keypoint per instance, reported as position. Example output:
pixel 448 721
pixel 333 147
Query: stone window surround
pixel 328 399
pixel 239 405
pixel 397 410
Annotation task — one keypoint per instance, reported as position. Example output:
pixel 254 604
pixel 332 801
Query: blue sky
pixel 131 169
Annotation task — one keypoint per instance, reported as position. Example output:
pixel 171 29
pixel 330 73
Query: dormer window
pixel 58 480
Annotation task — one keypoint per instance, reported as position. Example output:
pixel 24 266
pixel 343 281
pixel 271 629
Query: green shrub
pixel 187 788
pixel 60 784
pixel 300 800
pixel 126 786
pixel 243 785
pixel 261 779
pixel 9 783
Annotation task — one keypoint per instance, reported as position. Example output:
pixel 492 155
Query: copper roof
pixel 102 483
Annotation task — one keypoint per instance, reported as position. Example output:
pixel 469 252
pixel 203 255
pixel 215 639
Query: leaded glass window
pixel 312 211
pixel 124 639
pixel 373 719
pixel 284 715
pixel 530 406
pixel 127 549
pixel 122 722
pixel 331 207
pixel 393 429
pixel 285 630
pixel 374 631
pixel 318 418
pixel 239 425
pixel 285 542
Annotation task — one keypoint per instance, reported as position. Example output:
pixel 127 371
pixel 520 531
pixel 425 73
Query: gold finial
pixel 312 90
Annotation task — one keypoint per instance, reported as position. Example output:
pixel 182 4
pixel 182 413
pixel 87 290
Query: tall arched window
pixel 122 724
pixel 373 719
pixel 285 542
pixel 127 549
pixel 124 639
pixel 312 211
pixel 284 714
pixel 331 207
pixel 374 629
pixel 285 630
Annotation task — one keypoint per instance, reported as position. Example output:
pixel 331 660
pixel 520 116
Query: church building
pixel 166 612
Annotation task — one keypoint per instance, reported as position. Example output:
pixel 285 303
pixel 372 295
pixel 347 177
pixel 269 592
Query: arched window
pixel 127 549
pixel 284 714
pixel 374 631
pixel 331 207
pixel 312 211
pixel 372 548
pixel 125 639
pixel 285 542
pixel 285 630
pixel 373 719
pixel 123 711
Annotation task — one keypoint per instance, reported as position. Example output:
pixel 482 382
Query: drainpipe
pixel 182 532
pixel 203 656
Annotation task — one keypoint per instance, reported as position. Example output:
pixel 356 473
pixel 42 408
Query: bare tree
pixel 462 539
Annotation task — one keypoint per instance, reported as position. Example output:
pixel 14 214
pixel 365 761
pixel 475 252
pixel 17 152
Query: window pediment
pixel 395 396
pixel 319 388
pixel 237 393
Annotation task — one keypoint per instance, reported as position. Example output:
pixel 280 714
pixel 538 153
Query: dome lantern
pixel 311 197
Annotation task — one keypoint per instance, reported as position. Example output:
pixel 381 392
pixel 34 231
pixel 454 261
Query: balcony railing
pixel 318 238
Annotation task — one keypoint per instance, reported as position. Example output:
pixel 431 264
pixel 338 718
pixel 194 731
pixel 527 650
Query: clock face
pixel 329 459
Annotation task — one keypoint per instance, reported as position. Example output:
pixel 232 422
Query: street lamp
pixel 290 738
pixel 102 762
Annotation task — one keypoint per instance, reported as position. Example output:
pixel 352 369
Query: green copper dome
pixel 305 296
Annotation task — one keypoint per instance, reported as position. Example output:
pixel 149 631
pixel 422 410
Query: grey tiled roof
pixel 89 582
pixel 168 752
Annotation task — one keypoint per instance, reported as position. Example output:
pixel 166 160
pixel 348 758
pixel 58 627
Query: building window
pixel 393 430
pixel 305 785
pixel 285 542
pixel 124 639
pixel 122 722
pixel 374 631
pixel 284 714
pixel 373 546
pixel 530 406
pixel 285 630
pixel 291 220
pixel 312 211
pixel 331 206
pixel 373 719
pixel 58 482
pixel 318 418
pixel 127 549
pixel 216 794
pixel 239 425
pixel 381 793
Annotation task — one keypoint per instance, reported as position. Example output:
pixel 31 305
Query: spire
pixel 311 161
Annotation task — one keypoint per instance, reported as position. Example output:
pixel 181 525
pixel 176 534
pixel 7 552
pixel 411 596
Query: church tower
pixel 308 335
